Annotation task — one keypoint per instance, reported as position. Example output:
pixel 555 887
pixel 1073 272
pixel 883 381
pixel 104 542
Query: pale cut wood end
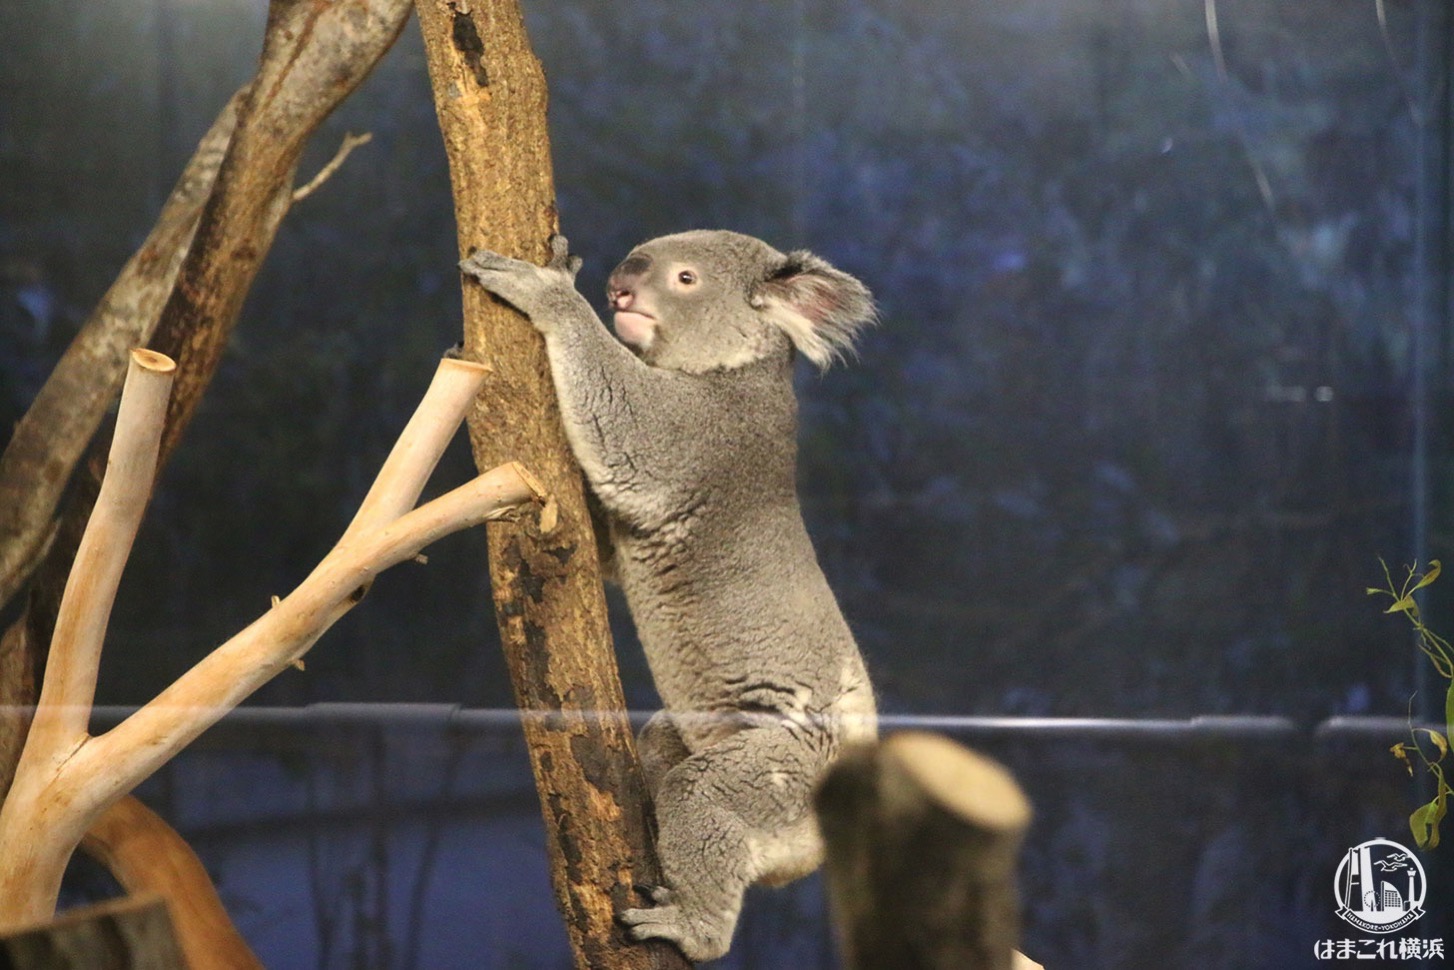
pixel 153 360
pixel 963 783
pixel 465 366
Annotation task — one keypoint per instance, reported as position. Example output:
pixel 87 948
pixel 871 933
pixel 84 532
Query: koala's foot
pixel 697 935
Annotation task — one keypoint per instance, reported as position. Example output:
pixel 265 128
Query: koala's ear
pixel 820 308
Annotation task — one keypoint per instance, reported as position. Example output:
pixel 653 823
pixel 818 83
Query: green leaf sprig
pixel 1426 818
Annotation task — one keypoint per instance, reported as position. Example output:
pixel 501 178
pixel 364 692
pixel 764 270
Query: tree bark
pixel 489 91
pixel 922 838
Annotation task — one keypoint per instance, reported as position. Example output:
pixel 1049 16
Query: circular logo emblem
pixel 1380 886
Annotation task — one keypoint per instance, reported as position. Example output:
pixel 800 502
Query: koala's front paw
pixel 525 286
pixel 696 935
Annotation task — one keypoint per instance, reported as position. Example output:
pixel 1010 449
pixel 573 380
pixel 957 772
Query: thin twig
pixel 350 142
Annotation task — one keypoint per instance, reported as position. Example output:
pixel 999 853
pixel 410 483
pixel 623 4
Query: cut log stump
pixel 132 933
pixel 922 839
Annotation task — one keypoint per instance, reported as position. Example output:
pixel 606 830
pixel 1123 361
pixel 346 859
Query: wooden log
pixel 490 95
pixel 922 838
pixel 132 933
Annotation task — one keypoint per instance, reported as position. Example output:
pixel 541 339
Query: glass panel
pixel 1160 377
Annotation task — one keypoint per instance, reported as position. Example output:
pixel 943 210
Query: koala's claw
pixel 561 258
pixel 482 261
pixel 660 895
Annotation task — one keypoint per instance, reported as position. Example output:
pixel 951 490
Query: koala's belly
pixel 716 679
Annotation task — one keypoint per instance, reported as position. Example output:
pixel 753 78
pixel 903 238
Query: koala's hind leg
pixel 727 816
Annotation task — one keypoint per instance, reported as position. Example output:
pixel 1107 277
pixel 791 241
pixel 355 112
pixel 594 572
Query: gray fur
pixel 690 446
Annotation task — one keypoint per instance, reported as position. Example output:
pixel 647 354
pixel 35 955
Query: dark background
pixel 1162 373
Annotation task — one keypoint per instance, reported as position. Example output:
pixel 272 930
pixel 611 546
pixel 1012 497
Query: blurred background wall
pixel 1162 374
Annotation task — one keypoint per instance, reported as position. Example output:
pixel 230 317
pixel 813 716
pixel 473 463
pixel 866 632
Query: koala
pixel 686 428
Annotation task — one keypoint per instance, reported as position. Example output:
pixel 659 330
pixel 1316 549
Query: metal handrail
pixel 456 717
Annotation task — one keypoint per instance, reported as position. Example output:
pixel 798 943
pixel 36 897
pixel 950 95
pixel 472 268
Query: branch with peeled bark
pixel 180 292
pixel 66 776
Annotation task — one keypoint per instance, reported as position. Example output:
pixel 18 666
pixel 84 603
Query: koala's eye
pixel 687 278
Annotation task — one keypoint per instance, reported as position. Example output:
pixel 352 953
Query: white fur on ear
pixel 820 308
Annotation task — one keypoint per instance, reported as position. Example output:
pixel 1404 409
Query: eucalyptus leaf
pixel 1424 822
pixel 1439 740
pixel 1435 568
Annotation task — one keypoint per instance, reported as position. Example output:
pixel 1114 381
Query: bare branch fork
pixel 67 777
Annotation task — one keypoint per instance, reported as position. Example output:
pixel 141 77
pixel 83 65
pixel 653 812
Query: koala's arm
pixel 617 410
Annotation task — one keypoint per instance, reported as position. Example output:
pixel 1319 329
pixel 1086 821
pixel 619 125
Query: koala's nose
pixel 621 287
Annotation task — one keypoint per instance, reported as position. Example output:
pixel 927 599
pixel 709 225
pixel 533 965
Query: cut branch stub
pixel 922 838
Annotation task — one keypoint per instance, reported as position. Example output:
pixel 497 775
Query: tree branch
pixel 350 142
pixel 314 55
pixel 148 858
pixel 66 777
pixel 53 434
pixel 70 682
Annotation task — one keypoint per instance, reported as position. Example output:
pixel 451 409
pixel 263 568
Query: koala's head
pixel 708 300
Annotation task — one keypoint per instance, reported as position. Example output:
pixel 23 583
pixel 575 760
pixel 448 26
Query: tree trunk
pixel 490 95
pixel 922 838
